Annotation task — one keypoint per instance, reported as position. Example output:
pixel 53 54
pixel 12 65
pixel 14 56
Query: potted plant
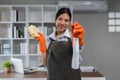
pixel 7 66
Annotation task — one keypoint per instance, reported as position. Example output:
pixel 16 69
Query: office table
pixel 42 75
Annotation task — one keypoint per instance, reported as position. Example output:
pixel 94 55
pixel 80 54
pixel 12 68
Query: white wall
pixel 101 47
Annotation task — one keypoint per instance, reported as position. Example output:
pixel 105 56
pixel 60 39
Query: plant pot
pixel 7 69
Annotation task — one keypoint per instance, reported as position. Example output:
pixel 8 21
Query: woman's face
pixel 62 22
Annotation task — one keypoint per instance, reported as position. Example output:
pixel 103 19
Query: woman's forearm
pixel 43 59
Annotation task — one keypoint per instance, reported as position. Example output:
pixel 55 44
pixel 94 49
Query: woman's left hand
pixel 77 31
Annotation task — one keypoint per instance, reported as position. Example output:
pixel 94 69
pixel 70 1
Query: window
pixel 114 21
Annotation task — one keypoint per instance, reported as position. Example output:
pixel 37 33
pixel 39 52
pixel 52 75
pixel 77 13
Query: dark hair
pixel 62 11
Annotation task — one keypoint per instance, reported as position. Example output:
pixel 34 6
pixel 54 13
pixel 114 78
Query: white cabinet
pixel 14 38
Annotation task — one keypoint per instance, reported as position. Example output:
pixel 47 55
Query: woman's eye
pixel 66 20
pixel 60 19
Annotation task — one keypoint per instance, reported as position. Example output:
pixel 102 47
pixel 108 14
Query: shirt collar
pixel 66 34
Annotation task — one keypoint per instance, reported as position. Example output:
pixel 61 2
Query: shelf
pixel 5 55
pixel 14 20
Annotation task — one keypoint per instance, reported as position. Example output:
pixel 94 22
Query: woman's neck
pixel 59 33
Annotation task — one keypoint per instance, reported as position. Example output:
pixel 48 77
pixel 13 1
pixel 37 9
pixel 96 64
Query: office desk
pixel 42 75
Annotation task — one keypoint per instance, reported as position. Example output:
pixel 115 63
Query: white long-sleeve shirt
pixel 63 37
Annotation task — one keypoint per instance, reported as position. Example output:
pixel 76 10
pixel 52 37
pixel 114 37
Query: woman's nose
pixel 62 22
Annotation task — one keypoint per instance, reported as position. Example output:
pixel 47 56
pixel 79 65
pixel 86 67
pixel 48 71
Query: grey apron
pixel 59 56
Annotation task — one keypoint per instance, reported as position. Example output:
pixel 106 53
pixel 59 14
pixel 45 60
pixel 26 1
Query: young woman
pixel 58 57
pixel 59 49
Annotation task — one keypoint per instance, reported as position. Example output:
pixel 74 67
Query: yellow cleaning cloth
pixel 34 32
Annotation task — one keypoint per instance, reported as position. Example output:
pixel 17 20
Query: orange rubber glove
pixel 78 32
pixel 42 42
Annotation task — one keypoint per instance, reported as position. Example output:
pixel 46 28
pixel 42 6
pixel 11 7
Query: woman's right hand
pixel 34 32
pixel 42 42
